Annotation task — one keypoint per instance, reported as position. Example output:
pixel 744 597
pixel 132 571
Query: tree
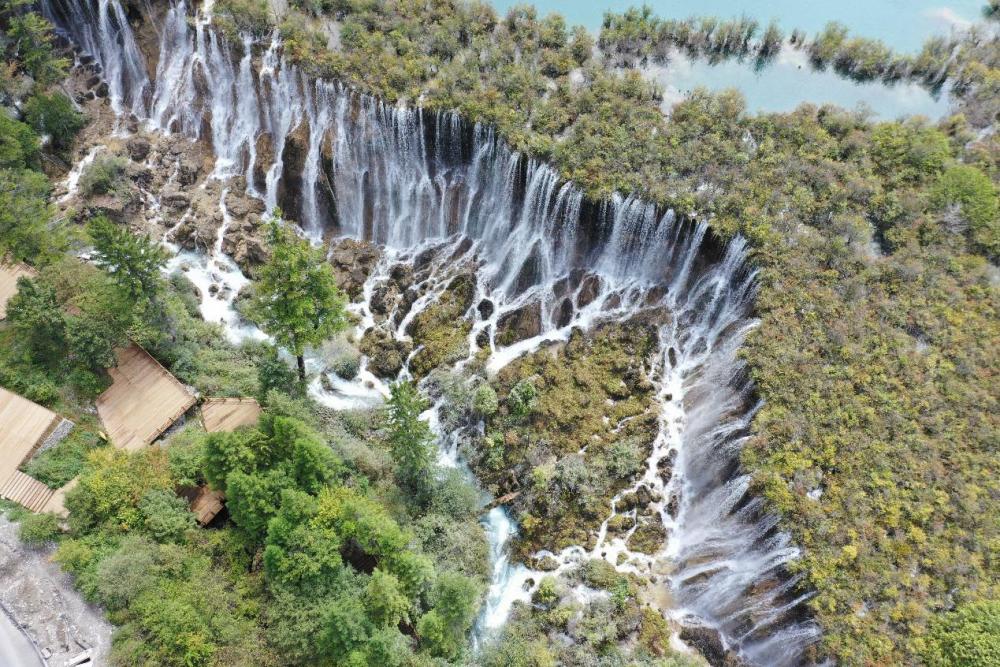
pixel 975 196
pixel 19 145
pixel 132 261
pixel 37 317
pixel 410 438
pixel 274 373
pixel 297 300
pixel 31 44
pixel 165 515
pixel 55 116
pixel 25 215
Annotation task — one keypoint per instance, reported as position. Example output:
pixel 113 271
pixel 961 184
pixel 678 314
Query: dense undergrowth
pixel 876 243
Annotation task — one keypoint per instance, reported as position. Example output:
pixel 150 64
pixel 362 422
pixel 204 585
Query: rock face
pixel 292 184
pixel 352 263
pixel 196 232
pixel 708 643
pixel 523 323
pixel 245 242
pixel 138 148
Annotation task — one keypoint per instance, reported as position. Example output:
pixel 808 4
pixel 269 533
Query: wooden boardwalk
pixel 26 491
pixel 229 414
pixel 9 273
pixel 143 401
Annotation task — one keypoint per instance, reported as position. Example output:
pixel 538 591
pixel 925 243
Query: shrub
pixel 975 195
pixel 165 516
pixel 105 175
pixel 523 399
pixel 39 529
pixel 484 401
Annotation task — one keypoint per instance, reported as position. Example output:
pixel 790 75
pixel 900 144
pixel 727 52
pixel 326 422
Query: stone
pixel 240 204
pixel 292 183
pixel 547 563
pixel 352 262
pixel 485 309
pixel 195 232
pixel 188 172
pixel 523 323
pixel 175 201
pixel 138 148
pixel 709 644
pixel 102 89
pixel 386 355
pixel 245 243
pixel 264 158
pixel 589 290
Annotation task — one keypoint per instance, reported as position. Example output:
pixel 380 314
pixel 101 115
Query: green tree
pixel 274 373
pixel 410 438
pixel 385 601
pixel 31 44
pixel 19 145
pixel 133 262
pixel 53 114
pixel 165 515
pixel 297 300
pixel 25 216
pixel 38 319
pixel 975 196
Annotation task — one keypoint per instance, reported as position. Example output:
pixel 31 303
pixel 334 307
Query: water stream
pixel 434 190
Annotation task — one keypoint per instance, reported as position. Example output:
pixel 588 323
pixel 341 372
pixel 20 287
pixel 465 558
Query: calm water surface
pixel 902 24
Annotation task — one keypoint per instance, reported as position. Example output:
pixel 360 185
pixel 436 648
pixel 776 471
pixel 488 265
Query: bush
pixel 105 175
pixel 39 529
pixel 54 115
pixel 484 401
pixel 522 399
pixel 165 516
pixel 974 194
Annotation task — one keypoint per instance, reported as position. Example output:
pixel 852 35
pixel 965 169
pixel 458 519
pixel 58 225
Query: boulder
pixel 138 148
pixel 525 322
pixel 245 243
pixel 386 354
pixel 195 232
pixel 352 263
pixel 175 201
pixel 188 171
pixel 709 644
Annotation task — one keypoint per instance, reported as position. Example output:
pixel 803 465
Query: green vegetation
pixel 296 299
pixel 877 306
pixel 54 115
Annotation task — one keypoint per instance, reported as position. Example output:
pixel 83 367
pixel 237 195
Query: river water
pixel 901 24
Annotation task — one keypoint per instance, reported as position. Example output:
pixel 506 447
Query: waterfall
pixel 347 164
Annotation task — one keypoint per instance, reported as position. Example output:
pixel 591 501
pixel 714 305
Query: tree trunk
pixel 302 368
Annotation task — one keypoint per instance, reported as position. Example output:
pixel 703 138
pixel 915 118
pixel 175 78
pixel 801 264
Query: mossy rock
pixel 442 328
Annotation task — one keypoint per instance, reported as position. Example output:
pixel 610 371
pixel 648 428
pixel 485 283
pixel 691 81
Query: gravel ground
pixel 42 600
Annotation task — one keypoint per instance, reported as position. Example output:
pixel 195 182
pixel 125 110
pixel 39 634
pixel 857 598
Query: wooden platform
pixel 23 427
pixel 26 491
pixel 207 504
pixel 229 414
pixel 9 273
pixel 143 401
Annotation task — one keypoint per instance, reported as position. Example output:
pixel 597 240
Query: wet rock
pixel 666 466
pixel 240 204
pixel 485 309
pixel 138 148
pixel 383 299
pixel 110 206
pixel 627 502
pixel 352 263
pixel 264 159
pixel 386 354
pixel 644 495
pixel 590 288
pixel 245 243
pixel 195 232
pixel 188 171
pixel 401 276
pixel 619 523
pixel 649 537
pixel 709 644
pixel 546 563
pixel 523 323
pixel 564 314
pixel 175 201
pixel 673 505
pixel 102 89
pixel 292 183
pixel 93 81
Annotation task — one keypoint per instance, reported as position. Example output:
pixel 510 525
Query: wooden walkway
pixel 229 414
pixel 9 273
pixel 26 491
pixel 143 401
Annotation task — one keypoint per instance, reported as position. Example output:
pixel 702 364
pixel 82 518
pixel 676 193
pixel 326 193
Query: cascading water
pixel 350 165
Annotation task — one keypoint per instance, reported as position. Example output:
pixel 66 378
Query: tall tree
pixel 297 300
pixel 132 261
pixel 410 438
